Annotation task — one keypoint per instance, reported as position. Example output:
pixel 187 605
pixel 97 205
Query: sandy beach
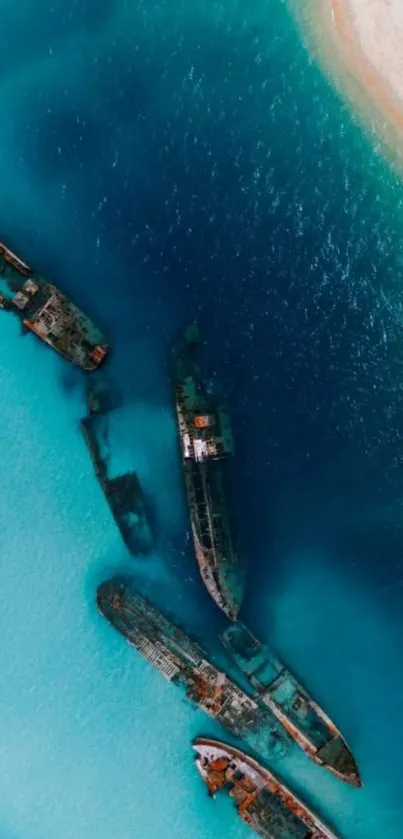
pixel 361 44
pixel 370 33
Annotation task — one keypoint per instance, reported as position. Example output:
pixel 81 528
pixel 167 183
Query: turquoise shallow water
pixel 162 161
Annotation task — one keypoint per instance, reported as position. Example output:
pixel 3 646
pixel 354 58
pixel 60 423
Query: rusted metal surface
pixel 262 800
pixel 49 314
pixel 301 716
pixel 206 444
pixel 182 661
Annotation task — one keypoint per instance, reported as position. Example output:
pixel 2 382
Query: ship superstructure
pixel 263 802
pixel 183 662
pixel 206 444
pixel 48 313
pixel 303 718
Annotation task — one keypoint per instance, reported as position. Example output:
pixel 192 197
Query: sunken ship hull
pixel 183 662
pixel 295 709
pixel 218 560
pixel 125 499
pixel 206 444
pixel 49 314
pixel 123 492
pixel 263 802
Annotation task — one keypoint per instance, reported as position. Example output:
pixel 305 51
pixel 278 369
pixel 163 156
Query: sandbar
pixel 367 38
pixel 372 36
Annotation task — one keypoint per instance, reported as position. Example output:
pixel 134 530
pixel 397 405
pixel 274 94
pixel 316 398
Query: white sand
pixel 370 34
pixel 379 28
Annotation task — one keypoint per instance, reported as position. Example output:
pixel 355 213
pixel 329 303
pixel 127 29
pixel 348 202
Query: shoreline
pixel 352 32
pixel 356 54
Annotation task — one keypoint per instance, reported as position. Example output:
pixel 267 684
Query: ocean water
pixel 165 162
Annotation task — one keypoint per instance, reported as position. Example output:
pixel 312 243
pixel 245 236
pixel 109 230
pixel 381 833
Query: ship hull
pixel 211 756
pixel 87 366
pixel 224 580
pixel 123 493
pixel 182 661
pixel 205 444
pixel 294 708
pixel 49 314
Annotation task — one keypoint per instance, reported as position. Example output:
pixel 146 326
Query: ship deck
pixel 294 819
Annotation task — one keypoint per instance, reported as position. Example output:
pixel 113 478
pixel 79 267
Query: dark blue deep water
pixel 167 162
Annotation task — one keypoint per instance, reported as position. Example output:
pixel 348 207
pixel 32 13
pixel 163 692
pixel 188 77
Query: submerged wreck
pixel 295 709
pixel 122 492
